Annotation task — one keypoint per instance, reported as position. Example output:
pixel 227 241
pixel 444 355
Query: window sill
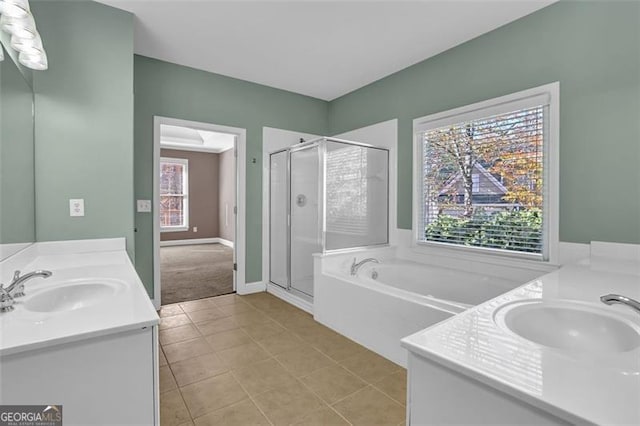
pixel 468 254
pixel 175 229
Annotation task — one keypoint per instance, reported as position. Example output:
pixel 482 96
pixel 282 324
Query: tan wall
pixel 203 195
pixel 226 195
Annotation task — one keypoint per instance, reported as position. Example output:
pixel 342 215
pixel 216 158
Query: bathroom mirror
pixel 17 182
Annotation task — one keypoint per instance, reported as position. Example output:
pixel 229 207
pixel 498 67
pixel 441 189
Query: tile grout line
pixel 284 324
pixel 244 389
pixel 387 395
pixel 187 359
pixel 252 400
pixel 184 401
pixel 374 385
pixel 298 379
pixel 314 393
pixel 198 381
pixel 368 385
pixel 326 403
pixel 228 369
pixel 271 356
pixel 339 363
pixel 219 408
pixel 191 323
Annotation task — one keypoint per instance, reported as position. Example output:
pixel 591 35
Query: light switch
pixel 76 207
pixel 144 206
pixel 195 229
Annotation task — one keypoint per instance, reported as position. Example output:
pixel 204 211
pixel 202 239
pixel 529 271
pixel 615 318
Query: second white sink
pixel 72 296
pixel 570 326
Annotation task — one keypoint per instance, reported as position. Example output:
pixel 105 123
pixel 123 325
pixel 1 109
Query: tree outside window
pixel 483 181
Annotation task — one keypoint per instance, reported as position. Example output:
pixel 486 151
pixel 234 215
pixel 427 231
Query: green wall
pixel 593 49
pixel 17 198
pixel 27 73
pixel 84 121
pixel 85 135
pixel 175 91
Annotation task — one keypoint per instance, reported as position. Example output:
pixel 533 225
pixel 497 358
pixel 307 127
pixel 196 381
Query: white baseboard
pixel 296 301
pixel 250 288
pixel 224 242
pixel 215 240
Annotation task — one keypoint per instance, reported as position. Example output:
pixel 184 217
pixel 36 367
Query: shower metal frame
pixel 322 193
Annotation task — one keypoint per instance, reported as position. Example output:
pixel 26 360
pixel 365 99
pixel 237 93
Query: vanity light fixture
pixel 16 19
pixel 36 62
pixel 19 27
pixel 30 46
pixel 15 8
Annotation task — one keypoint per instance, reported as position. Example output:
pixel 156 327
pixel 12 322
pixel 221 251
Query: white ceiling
pixel 187 139
pixel 323 49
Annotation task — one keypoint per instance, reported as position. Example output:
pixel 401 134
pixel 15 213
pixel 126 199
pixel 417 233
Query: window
pixel 485 175
pixel 174 194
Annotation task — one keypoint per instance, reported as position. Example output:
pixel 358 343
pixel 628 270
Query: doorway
pixel 199 187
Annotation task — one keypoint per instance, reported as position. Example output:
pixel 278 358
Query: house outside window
pixel 485 176
pixel 174 194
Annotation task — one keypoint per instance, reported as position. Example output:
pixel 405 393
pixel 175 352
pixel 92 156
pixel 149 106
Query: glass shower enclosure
pixel 326 194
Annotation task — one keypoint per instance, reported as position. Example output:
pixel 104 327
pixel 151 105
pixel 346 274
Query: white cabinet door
pixel 107 380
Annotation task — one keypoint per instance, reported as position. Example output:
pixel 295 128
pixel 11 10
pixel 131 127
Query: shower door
pixel 278 223
pixel 305 228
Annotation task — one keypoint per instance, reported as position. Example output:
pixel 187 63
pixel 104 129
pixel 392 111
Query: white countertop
pixel 579 388
pixel 80 261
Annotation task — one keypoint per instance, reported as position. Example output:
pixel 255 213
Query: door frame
pixel 239 253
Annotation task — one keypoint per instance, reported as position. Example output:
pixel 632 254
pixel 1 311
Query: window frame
pixel 548 94
pixel 185 196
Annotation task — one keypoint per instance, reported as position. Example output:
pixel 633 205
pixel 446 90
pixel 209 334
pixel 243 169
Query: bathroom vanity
pixel 548 352
pixel 84 338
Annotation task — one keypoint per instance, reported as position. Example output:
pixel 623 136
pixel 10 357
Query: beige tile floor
pixel 256 360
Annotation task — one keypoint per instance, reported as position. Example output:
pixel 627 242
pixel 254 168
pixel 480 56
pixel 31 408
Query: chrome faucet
pixel 612 299
pixel 16 288
pixel 355 266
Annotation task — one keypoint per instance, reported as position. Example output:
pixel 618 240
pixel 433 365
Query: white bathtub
pixel 404 298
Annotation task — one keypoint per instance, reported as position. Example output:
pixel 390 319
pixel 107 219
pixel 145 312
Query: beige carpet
pixel 195 272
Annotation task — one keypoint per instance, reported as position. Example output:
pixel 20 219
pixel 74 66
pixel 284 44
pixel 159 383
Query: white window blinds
pixel 483 178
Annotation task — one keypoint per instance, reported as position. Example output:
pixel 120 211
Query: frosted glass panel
pixel 305 217
pixel 278 219
pixel 356 196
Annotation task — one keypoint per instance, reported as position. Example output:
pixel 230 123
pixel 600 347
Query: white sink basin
pixel 68 297
pixel 569 326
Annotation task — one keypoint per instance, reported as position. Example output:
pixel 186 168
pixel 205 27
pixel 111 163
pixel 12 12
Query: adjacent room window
pixel 484 175
pixel 174 194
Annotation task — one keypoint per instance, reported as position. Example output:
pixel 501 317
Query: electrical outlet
pixel 76 207
pixel 144 206
pixel 195 229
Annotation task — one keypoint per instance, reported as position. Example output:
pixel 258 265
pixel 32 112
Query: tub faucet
pixel 612 299
pixel 355 266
